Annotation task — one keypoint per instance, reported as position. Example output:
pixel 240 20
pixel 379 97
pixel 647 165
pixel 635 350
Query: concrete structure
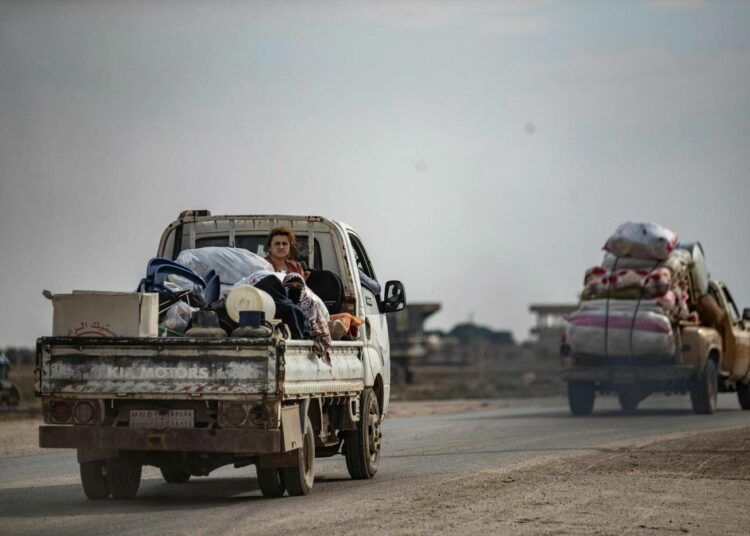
pixel 550 324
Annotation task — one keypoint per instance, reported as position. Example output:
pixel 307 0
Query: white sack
pixel 644 240
pixel 652 332
pixel 253 278
pixel 231 264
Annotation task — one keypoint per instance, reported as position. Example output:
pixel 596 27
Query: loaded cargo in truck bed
pixel 655 323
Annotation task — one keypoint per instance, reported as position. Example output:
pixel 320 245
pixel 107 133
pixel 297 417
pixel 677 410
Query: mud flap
pixel 292 420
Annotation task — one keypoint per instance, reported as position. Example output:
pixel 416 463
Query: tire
pixel 743 395
pixel 270 481
pixel 704 390
pixel 123 477
pixel 362 446
pixel 299 479
pixel 14 397
pixel 175 474
pixel 581 397
pixel 629 398
pixel 94 480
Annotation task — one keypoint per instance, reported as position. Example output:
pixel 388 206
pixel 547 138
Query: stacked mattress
pixel 630 303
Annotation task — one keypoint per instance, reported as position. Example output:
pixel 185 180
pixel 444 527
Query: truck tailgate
pixel 156 368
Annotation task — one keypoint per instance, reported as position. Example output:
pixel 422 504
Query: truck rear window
pixel 257 244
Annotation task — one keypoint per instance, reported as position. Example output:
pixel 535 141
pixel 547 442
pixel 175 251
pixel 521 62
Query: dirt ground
pixel 691 484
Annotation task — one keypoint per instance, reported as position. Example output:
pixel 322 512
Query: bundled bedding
pixel 622 327
pixel 630 302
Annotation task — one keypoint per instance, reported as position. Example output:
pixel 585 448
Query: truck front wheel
pixel 123 477
pixel 581 397
pixel 94 480
pixel 299 480
pixel 743 395
pixel 362 446
pixel 704 391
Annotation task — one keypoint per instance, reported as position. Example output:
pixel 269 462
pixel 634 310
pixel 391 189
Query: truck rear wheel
pixel 629 397
pixel 174 474
pixel 123 476
pixel 94 480
pixel 743 395
pixel 581 397
pixel 705 389
pixel 270 481
pixel 299 480
pixel 362 447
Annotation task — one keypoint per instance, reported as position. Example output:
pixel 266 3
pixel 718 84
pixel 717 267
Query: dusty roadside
pixel 694 484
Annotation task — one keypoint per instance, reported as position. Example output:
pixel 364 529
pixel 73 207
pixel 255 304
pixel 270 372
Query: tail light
pixel 74 411
pixel 84 412
pixel 258 414
pixel 234 414
pixel 60 411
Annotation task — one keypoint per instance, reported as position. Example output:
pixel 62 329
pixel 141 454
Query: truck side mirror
pixel 395 297
pixel 746 314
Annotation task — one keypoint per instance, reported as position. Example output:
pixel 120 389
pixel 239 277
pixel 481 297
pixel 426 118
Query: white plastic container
pixel 698 268
pixel 248 298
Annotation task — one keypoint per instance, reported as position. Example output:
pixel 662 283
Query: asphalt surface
pixel 41 494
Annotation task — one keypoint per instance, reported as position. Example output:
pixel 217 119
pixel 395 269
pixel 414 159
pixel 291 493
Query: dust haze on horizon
pixel 483 150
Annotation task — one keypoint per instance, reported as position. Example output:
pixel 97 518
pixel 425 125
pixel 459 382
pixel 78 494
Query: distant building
pixel 550 324
pixel 408 338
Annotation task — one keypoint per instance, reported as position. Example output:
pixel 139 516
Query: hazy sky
pixel 484 150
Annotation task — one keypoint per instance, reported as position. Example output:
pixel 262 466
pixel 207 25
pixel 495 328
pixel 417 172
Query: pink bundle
pixel 654 283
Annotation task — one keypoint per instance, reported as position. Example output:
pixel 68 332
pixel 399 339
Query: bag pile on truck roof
pixel 644 286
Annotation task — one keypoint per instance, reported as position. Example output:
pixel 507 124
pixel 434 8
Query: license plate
pixel 154 418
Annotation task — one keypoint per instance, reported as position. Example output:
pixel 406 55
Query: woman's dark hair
pixel 284 231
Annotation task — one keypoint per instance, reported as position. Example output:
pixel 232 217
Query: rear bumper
pixel 235 441
pixel 629 374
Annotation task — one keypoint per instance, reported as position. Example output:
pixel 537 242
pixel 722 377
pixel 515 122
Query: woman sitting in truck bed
pixel 281 246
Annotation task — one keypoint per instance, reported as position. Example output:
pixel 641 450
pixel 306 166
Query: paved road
pixel 42 495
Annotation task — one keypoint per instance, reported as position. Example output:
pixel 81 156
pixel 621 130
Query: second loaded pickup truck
pixel 630 348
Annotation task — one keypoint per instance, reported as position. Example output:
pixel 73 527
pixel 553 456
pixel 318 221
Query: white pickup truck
pixel 191 405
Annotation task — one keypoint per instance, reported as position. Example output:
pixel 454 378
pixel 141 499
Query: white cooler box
pixel 86 313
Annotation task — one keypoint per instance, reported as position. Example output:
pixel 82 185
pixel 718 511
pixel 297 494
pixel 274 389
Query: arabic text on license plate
pixel 154 418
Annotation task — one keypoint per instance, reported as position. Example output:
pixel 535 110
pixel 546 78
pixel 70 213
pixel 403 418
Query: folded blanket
pixel 677 262
pixel 654 282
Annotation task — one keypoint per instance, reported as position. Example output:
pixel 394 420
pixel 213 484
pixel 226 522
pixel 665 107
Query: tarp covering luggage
pixel 231 264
